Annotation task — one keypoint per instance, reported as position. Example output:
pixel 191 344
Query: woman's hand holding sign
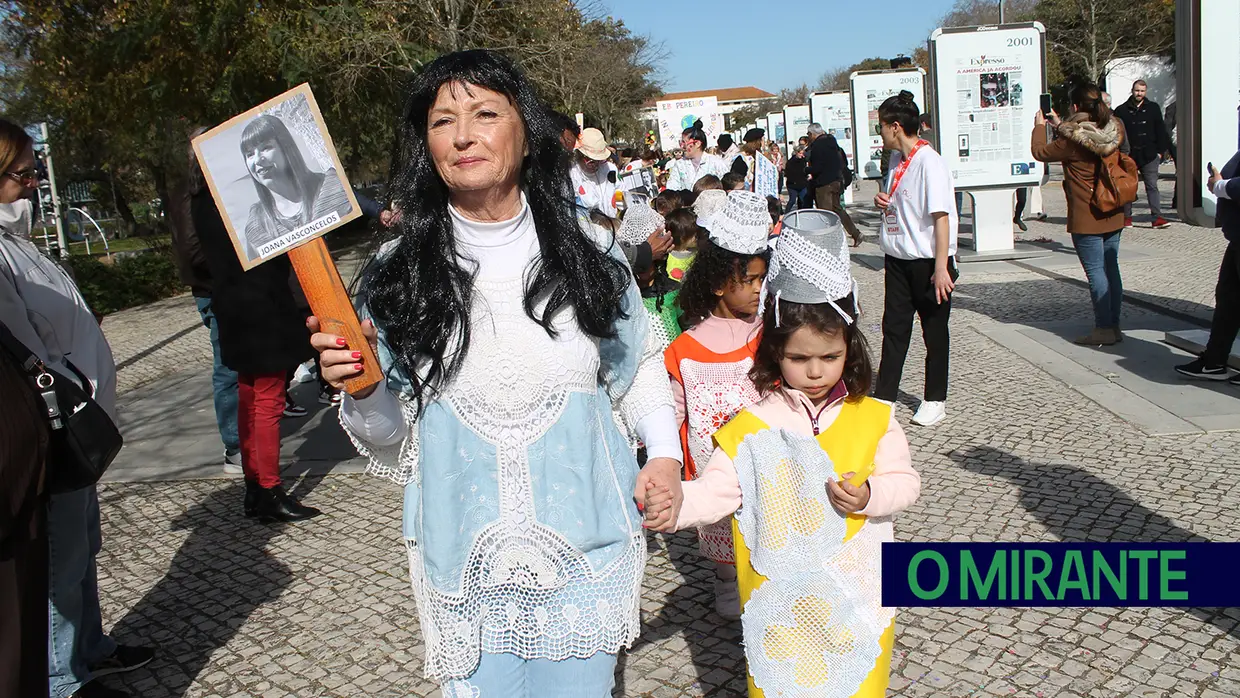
pixel 339 362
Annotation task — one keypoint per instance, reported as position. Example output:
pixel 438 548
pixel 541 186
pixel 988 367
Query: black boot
pixel 253 493
pixel 275 504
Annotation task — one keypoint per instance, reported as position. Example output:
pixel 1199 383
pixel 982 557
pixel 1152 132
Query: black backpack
pixel 846 173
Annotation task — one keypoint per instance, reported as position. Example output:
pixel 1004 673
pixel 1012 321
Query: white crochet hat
pixel 742 225
pixel 811 263
pixel 639 224
pixel 709 203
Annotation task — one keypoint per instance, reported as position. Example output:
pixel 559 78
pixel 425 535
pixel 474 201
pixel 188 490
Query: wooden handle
pixel 331 305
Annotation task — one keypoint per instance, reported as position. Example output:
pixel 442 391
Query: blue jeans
pixel 223 382
pixel 797 199
pixel 1099 255
pixel 75 639
pixel 509 676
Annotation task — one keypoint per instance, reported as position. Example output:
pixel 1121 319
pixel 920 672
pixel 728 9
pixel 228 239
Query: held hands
pixel 659 495
pixel 337 360
pixel 846 497
pixel 882 200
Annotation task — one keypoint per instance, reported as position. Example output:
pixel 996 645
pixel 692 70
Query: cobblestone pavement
pixel 324 608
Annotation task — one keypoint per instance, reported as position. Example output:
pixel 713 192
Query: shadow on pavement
pixel 219 576
pixel 223 572
pixel 714 644
pixel 1080 507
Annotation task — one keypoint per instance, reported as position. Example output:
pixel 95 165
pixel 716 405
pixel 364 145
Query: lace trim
pixel 813 636
pixel 801 268
pixel 460 688
pixel 398 462
pixel 530 594
pixel 714 394
pixel 650 389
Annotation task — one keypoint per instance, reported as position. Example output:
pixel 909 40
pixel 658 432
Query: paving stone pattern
pixel 324 608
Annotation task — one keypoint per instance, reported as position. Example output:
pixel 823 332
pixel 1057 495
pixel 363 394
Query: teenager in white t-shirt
pixel 918 237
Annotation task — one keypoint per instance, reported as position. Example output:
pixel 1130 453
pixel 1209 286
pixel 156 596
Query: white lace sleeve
pixel 384 430
pixel 650 389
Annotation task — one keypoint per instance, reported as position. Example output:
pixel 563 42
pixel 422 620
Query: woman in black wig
pixel 507 332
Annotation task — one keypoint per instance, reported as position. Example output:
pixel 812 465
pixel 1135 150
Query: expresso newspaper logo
pixel 986 60
pixel 1061 574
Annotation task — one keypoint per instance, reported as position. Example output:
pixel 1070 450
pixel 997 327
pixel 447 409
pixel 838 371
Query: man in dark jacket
pixel 1212 364
pixel 1149 141
pixel 826 177
pixel 194 272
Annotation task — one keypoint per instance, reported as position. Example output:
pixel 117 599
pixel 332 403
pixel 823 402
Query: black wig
pixel 416 291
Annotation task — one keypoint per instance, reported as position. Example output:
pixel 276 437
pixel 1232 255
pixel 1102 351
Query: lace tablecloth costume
pixel 810 577
pixel 709 369
pixel 522 534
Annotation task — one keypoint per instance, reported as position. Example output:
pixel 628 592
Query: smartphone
pixel 1210 167
pixel 1045 99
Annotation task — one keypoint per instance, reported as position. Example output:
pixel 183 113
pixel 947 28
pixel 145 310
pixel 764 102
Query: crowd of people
pixel 568 364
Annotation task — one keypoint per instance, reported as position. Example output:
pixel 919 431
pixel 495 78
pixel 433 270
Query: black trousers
pixel 1226 322
pixel 910 289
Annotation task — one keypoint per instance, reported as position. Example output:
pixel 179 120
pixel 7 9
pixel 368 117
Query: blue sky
pixel 796 41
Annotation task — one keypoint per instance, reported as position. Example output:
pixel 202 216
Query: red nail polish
pixel 641 507
pixel 341 341
pixel 357 367
pixel 357 354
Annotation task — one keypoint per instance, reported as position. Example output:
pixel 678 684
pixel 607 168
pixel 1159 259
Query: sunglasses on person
pixel 26 178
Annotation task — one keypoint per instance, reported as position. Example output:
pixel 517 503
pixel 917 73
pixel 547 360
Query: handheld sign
pixel 275 176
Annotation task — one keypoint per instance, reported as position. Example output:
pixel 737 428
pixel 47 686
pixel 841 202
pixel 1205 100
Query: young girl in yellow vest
pixel 814 473
pixel 709 364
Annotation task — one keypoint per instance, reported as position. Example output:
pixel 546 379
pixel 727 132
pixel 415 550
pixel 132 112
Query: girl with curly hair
pixel 710 362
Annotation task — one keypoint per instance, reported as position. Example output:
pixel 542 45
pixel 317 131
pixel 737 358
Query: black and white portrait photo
pixel 276 177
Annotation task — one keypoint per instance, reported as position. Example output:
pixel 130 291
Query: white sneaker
pixel 305 373
pixel 232 463
pixel 930 413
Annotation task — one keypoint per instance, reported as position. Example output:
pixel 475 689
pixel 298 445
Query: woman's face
pixel 476 138
pixel 691 147
pixel 19 178
pixel 267 163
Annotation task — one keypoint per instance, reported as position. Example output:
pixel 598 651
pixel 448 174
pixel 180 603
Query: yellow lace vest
pixel 850 442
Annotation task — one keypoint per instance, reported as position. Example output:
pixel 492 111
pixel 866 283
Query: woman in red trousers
pixel 262 334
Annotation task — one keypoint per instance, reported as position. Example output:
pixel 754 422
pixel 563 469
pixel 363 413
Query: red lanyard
pixel 900 169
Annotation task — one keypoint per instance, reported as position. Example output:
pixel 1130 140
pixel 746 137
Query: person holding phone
pixel 1212 364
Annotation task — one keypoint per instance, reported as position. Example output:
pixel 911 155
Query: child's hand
pixel 657 506
pixel 846 497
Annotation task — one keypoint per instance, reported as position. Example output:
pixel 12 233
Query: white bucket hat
pixel 742 225
pixel 811 263
pixel 593 145
pixel 639 224
pixel 708 204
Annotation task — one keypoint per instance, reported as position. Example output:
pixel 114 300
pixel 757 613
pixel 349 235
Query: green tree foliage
pixel 837 79
pixel 122 82
pixel 1086 34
